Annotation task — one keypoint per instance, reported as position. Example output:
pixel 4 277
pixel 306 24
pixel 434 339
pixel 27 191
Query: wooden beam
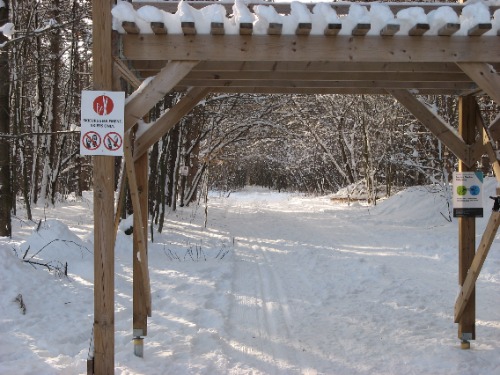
pixel 292 83
pixel 275 28
pixel 322 90
pixel 126 74
pixel 103 176
pixel 332 29
pixel 309 66
pixel 390 30
pixel 303 28
pixel 241 75
pixel 361 29
pixel 479 29
pixel 130 27
pixel 168 120
pixel 449 29
pixel 140 302
pixel 152 91
pixel 435 124
pixel 188 28
pixel 140 235
pixel 217 28
pixel 419 29
pixel 473 272
pixel 159 28
pixel 467 108
pixel 485 76
pixel 246 28
pixel 342 48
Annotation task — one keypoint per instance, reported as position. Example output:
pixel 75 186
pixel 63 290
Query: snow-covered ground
pixel 276 284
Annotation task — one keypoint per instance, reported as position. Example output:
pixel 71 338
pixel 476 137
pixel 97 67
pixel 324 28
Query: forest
pixel 314 144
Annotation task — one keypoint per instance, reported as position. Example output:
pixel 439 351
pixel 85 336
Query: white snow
pixel 2 4
pixel 276 284
pixel 7 29
pixel 378 15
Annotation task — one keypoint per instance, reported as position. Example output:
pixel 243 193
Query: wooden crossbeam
pixel 168 120
pixel 435 124
pixel 419 29
pixel 449 29
pixel 333 28
pixel 130 27
pixel 217 28
pixel 275 28
pixel 126 73
pixel 477 263
pixel 298 83
pixel 485 76
pixel 342 48
pixel 303 28
pixel 390 29
pixel 188 28
pixel 159 28
pixel 361 29
pixel 479 29
pixel 152 91
pixel 328 76
pixel 246 28
pixel 139 232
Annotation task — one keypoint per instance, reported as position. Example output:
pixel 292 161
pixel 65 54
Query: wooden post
pixel 104 169
pixel 140 314
pixel 467 226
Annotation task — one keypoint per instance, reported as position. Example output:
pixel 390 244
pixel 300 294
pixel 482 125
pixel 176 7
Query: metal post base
pixel 139 346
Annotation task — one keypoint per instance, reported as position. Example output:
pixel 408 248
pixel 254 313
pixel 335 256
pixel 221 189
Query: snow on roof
pixel 374 16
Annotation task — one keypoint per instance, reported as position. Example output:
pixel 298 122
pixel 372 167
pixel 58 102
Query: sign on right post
pixel 467 194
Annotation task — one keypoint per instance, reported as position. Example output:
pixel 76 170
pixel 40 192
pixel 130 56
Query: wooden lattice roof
pixel 338 61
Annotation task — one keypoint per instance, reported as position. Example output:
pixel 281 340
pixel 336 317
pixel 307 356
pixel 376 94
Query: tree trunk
pixel 5 188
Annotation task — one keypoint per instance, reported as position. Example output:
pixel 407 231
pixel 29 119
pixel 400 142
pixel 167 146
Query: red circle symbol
pixel 91 141
pixel 113 141
pixel 103 105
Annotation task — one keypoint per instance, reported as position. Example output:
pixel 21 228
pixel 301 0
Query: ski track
pixel 307 287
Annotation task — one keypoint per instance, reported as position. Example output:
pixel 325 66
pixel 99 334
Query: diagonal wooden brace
pixel 151 91
pixel 477 263
pixel 139 232
pixel 485 76
pixel 436 125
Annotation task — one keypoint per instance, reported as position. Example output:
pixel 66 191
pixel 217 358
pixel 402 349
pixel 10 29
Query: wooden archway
pixel 453 61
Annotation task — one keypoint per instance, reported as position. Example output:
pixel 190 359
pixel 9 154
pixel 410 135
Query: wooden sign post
pixel 104 241
pixel 467 226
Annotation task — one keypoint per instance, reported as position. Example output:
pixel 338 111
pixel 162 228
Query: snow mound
pixel 427 205
pixel 53 241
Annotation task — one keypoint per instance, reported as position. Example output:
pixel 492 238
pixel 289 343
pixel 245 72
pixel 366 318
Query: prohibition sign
pixel 113 141
pixel 91 140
